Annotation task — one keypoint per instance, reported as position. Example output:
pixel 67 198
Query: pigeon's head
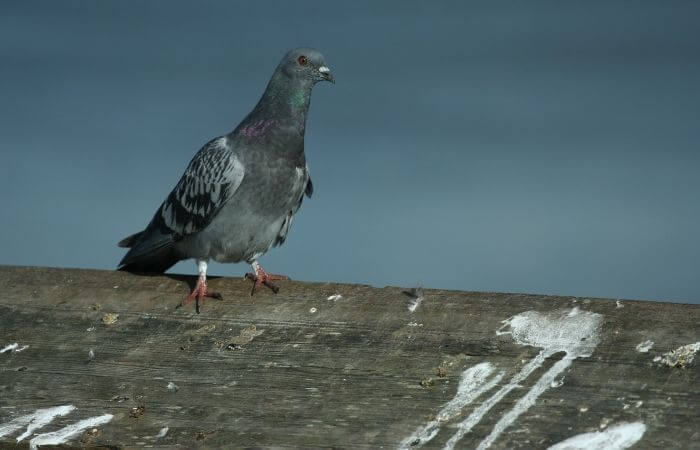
pixel 306 64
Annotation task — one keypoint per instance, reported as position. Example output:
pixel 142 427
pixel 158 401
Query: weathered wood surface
pixel 298 369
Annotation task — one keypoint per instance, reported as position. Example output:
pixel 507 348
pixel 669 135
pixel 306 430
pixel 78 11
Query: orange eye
pixel 302 60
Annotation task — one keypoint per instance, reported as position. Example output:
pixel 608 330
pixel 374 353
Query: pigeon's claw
pixel 199 293
pixel 260 277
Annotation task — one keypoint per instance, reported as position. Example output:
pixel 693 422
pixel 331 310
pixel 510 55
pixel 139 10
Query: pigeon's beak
pixel 326 74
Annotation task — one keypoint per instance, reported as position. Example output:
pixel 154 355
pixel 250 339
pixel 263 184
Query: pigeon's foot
pixel 199 293
pixel 260 277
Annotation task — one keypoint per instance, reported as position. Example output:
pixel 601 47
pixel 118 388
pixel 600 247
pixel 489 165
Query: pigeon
pixel 239 194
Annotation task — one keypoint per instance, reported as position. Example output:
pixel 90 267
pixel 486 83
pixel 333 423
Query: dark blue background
pixel 542 147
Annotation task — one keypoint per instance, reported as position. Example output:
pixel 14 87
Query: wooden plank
pixel 299 369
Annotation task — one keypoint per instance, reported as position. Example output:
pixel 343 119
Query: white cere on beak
pixel 324 69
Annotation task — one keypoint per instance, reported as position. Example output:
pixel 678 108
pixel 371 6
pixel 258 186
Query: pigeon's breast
pixel 274 187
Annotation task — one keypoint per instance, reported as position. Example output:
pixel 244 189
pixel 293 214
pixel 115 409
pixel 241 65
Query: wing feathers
pixel 210 180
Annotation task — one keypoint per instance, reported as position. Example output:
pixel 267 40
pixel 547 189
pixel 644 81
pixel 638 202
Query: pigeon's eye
pixel 302 60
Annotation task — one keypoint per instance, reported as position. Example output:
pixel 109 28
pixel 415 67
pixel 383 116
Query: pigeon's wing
pixel 210 180
pixel 309 189
pixel 289 218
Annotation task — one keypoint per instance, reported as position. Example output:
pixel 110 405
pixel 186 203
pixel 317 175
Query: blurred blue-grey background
pixel 541 147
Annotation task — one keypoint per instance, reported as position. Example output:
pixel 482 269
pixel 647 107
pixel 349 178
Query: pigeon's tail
pixel 130 241
pixel 150 251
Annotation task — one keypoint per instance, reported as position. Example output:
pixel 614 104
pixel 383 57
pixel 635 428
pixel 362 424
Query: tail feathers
pixel 152 252
pixel 130 241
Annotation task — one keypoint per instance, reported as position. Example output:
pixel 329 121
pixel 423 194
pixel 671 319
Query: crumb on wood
pixel 201 435
pixel 137 411
pixel 246 335
pixel 110 318
pixel 427 382
pixel 205 329
pixel 90 435
pixel 679 358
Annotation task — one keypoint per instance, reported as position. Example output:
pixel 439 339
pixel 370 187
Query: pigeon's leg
pixel 260 277
pixel 200 292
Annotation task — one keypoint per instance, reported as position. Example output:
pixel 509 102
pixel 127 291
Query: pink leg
pixel 200 292
pixel 260 277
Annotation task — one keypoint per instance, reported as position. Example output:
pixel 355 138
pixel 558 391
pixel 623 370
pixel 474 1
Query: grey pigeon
pixel 238 196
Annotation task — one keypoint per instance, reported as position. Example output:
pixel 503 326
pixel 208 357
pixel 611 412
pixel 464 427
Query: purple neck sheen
pixel 257 128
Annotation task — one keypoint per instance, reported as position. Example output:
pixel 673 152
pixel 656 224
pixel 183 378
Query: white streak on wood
pixel 573 331
pixel 334 297
pixel 64 434
pixel 476 416
pixel 9 348
pixel 645 346
pixel 417 297
pixel 574 311
pixel 163 431
pixel 617 437
pixel 576 333
pixel 474 383
pixel 415 303
pixel 34 421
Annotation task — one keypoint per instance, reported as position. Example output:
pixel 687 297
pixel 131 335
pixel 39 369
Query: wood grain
pixel 298 370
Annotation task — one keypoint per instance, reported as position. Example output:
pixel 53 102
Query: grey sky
pixel 540 147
